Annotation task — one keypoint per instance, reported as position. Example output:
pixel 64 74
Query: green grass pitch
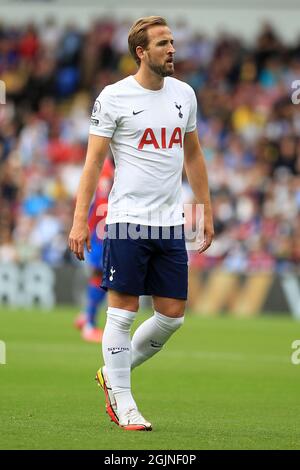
pixel 220 383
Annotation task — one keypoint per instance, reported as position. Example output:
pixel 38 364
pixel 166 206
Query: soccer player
pixel 149 121
pixel 87 321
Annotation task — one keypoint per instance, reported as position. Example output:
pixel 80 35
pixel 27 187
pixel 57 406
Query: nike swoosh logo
pixel 117 352
pixel 137 112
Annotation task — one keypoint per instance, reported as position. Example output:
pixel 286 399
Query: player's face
pixel 159 55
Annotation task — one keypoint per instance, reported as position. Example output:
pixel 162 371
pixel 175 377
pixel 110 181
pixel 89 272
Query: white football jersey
pixel 147 129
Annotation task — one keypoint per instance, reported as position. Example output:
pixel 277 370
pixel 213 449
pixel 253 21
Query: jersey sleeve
pixel 104 115
pixel 192 121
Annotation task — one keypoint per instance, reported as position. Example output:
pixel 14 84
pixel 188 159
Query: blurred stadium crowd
pixel 248 126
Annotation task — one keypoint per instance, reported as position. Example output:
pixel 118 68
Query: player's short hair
pixel 138 33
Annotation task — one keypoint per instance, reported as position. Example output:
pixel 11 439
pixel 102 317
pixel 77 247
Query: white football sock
pixel 151 335
pixel 116 348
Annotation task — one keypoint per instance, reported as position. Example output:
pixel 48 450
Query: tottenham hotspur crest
pixel 178 106
pixel 112 272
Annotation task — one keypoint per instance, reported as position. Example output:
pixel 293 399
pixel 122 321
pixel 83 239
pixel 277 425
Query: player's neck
pixel 148 80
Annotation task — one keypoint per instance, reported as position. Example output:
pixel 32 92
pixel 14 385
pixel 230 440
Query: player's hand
pixel 208 233
pixel 79 236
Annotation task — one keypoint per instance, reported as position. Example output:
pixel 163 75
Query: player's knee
pixel 173 308
pixel 123 301
pixel 174 314
pixel 131 306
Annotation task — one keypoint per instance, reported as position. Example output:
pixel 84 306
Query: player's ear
pixel 140 52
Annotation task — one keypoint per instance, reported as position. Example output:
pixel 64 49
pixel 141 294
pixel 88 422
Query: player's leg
pixel 153 333
pixel 116 346
pixel 167 282
pixel 115 377
pixel 94 298
pixel 94 294
pixel 124 271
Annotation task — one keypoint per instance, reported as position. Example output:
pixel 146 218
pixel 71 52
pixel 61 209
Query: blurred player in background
pixel 149 120
pixel 87 320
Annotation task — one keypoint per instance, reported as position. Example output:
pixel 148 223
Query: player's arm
pixel 197 175
pixel 96 153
